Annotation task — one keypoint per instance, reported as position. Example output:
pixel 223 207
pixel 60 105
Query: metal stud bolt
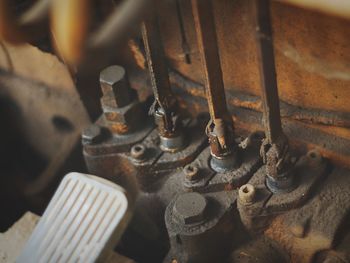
pixel 138 151
pixel 246 194
pixel 191 172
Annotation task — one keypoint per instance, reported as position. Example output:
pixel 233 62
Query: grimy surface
pixel 311 51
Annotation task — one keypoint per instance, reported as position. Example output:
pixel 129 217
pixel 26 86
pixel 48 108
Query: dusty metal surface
pixel 318 225
pixel 190 196
pixel 261 250
pixel 220 128
pixel 266 58
pixel 323 129
pixel 306 66
pixel 275 149
pixel 165 106
pixel 154 161
pixel 308 171
pixel 122 111
pixel 212 226
pixel 239 99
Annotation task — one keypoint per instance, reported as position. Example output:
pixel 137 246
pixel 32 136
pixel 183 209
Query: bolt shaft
pixel 220 128
pixel 272 118
pixel 165 105
pixel 275 148
pixel 207 44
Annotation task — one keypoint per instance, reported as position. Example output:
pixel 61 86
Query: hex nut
pixel 127 118
pixel 115 87
pixel 246 194
pixel 189 208
pixel 121 114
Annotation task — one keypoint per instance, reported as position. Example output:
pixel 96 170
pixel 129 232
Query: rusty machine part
pixel 220 128
pixel 275 148
pixel 165 106
pixel 230 185
pixel 198 202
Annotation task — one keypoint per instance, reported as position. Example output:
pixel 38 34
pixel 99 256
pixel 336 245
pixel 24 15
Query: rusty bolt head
pixel 138 151
pixel 92 134
pixel 246 194
pixel 131 111
pixel 191 172
pixel 115 87
pixel 189 208
pixel 126 119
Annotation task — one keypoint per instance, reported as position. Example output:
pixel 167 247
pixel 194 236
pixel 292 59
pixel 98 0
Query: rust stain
pixel 312 52
pixel 314 64
pixel 254 105
pixel 119 128
pixel 137 54
pixel 299 249
pixel 196 92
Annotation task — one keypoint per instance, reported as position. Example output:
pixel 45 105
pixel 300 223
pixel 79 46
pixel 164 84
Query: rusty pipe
pixel 275 147
pixel 165 107
pixel 220 129
pixel 269 91
pixel 157 67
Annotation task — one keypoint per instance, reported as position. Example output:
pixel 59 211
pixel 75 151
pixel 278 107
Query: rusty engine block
pixel 227 121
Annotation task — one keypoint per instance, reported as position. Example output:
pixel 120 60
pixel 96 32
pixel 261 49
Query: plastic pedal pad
pixel 82 223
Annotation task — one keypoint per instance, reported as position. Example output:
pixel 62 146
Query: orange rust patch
pixel 120 128
pixel 137 54
pixel 256 105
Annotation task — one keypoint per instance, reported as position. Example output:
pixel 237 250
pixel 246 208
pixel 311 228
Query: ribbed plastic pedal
pixel 83 221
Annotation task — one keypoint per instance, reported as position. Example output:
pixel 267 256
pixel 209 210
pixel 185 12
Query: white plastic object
pixel 83 221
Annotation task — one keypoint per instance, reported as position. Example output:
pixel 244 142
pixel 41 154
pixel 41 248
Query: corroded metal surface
pixel 165 107
pixel 308 223
pixel 304 58
pixel 154 164
pixel 315 226
pixel 241 99
pixel 266 58
pixel 275 149
pixel 122 111
pixel 319 128
pixel 308 171
pixel 220 127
